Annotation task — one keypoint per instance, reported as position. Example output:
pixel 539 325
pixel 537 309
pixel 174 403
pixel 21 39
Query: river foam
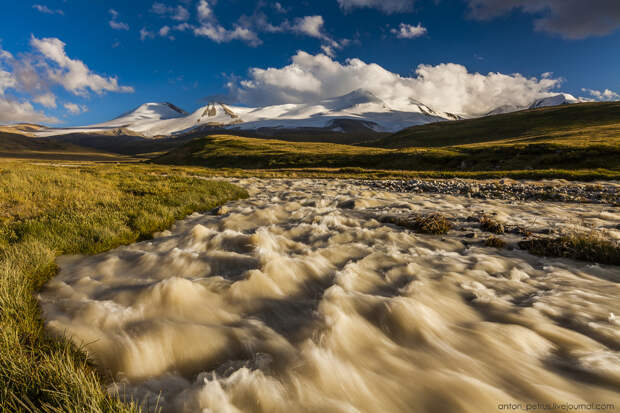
pixel 299 300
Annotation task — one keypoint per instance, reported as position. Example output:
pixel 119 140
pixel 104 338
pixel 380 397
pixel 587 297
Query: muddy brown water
pixel 299 300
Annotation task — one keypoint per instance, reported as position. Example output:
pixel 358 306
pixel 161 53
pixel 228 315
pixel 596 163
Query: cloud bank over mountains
pixel 447 87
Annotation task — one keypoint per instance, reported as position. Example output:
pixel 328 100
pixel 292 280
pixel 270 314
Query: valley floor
pixel 312 296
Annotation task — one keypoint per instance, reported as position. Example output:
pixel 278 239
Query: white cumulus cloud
pixel 310 25
pixel 408 31
pixel 7 81
pixel 220 34
pixel 386 6
pixel 447 87
pixel 44 9
pixel 146 34
pixel 277 6
pixel 114 23
pixel 47 99
pixel 178 13
pixel 73 74
pixel 15 111
pixel 30 78
pixel 118 25
pixel 606 94
pixel 211 28
pixel 247 27
pixel 74 108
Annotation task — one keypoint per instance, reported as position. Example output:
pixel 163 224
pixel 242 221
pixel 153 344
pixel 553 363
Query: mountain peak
pixel 359 107
pixel 152 111
pixel 360 94
pixel 555 100
pixel 354 98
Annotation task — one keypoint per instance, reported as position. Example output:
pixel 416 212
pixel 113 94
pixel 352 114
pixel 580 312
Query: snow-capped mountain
pixel 360 107
pixel 504 109
pixel 557 100
pixel 148 112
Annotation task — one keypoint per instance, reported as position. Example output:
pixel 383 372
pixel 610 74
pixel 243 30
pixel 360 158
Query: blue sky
pixel 119 54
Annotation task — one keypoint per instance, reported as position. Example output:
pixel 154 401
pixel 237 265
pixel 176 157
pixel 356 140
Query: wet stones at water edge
pixel 605 193
pixel 592 247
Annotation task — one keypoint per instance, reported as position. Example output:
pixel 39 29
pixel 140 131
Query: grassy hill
pixel 227 151
pixel 578 125
pixel 16 145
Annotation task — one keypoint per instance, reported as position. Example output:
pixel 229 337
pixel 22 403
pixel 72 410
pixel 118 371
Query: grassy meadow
pixel 542 160
pixel 46 211
pixel 578 125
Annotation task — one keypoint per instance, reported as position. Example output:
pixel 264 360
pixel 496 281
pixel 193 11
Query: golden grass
pixel 494 242
pixel 591 247
pixel 434 224
pixel 535 159
pixel 490 225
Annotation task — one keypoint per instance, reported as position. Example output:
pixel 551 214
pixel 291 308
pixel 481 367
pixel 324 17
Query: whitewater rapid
pixel 299 300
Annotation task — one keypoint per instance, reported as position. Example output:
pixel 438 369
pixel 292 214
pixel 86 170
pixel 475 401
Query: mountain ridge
pixel 336 114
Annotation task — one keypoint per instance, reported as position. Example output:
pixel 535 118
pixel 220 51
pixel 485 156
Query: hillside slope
pixel 574 125
pixel 14 145
pixel 225 151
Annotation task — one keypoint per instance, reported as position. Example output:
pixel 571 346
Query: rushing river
pixel 299 300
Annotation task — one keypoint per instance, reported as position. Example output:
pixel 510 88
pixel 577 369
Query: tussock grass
pixel 46 211
pixel 490 225
pixel 592 247
pixel 494 242
pixel 435 224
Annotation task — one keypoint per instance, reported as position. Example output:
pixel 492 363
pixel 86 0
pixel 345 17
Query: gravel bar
pixel 599 193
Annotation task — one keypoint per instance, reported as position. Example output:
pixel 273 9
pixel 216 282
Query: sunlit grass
pixel 579 125
pixel 232 153
pixel 46 211
pixel 592 247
